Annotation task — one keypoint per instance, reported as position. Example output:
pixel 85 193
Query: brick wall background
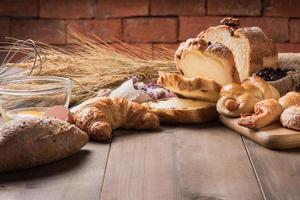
pixel 151 22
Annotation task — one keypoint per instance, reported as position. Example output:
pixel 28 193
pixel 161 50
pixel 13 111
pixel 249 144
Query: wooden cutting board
pixel 272 137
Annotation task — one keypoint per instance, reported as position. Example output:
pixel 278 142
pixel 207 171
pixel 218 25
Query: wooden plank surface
pixel 277 171
pixel 274 136
pixel 198 162
pixel 77 177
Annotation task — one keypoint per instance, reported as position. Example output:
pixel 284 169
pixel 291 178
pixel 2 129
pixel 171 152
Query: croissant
pixel 237 99
pixel 265 112
pixel 98 118
pixel 268 111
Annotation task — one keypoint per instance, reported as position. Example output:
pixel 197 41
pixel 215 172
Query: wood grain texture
pixel 273 136
pixel 213 164
pixel 77 177
pixel 198 162
pixel 277 171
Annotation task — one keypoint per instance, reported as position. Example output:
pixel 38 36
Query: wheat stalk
pixel 96 64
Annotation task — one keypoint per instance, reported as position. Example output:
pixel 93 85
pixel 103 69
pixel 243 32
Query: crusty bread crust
pixel 183 111
pixel 262 51
pixel 216 50
pixel 32 142
pixel 194 88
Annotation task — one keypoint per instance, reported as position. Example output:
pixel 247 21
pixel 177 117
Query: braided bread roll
pixel 98 118
pixel 237 99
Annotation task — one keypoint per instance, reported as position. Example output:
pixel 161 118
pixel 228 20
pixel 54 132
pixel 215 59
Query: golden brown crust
pixel 194 88
pixel 36 141
pixel 215 50
pixel 290 99
pixel 260 88
pixel 183 111
pixel 100 117
pixel 265 113
pixel 245 95
pixel 244 103
pixel 262 51
pixel 290 118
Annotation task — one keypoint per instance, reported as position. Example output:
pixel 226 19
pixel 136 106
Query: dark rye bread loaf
pixel 32 142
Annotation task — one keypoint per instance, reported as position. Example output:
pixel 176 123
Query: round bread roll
pixel 290 118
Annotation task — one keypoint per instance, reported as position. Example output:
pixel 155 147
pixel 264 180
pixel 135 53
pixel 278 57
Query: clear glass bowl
pixel 31 96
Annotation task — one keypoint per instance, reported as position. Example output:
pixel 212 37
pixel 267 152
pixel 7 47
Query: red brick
pixel 19 8
pixel 141 50
pixel 288 47
pixel 47 31
pixel 234 7
pixel 192 26
pixel 295 30
pixel 164 50
pixel 177 7
pixel 290 8
pixel 119 8
pixel 106 29
pixel 275 27
pixel 150 30
pixel 4 30
pixel 69 9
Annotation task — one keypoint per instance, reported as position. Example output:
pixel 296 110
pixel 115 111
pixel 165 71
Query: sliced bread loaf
pixel 196 58
pixel 251 48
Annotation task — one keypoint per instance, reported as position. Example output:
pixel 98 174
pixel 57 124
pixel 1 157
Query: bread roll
pixel 240 99
pixel 290 99
pixel 36 141
pixel 265 113
pixel 290 118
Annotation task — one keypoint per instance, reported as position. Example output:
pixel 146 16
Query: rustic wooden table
pixel 189 162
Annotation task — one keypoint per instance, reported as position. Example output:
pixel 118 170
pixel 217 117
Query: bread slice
pixel 36 141
pixel 196 58
pixel 193 88
pixel 251 48
pixel 185 111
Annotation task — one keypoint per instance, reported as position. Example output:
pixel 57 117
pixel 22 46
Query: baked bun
pixel 236 99
pixel 193 88
pixel 185 111
pixel 290 118
pixel 197 58
pixel 290 99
